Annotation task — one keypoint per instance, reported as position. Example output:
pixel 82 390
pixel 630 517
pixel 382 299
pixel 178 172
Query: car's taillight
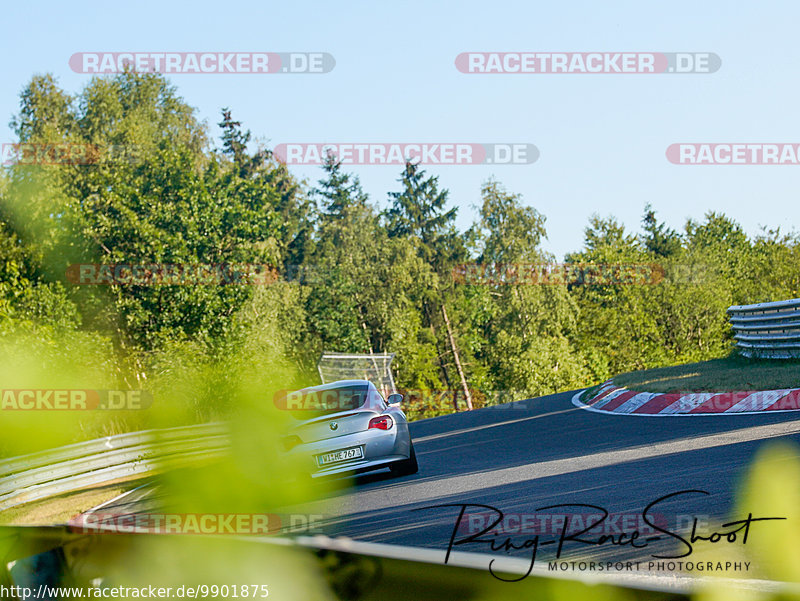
pixel 382 422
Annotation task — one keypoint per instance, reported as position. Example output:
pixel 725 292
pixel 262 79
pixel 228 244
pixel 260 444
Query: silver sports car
pixel 347 426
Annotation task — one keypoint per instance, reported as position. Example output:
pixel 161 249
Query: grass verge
pixel 729 374
pixel 59 510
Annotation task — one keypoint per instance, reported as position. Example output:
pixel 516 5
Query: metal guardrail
pixel 391 572
pixel 83 465
pixel 767 330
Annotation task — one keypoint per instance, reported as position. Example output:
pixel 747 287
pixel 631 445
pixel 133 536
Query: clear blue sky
pixel 602 138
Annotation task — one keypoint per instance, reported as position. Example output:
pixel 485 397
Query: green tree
pixel 418 213
pixel 526 327
pixel 658 238
pixel 419 210
pixel 155 194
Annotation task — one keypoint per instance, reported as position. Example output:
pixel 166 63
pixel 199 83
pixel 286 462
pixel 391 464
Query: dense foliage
pixel 352 278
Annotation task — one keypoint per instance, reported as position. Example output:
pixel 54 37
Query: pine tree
pixel 340 192
pixel 659 239
pixel 419 209
pixel 234 144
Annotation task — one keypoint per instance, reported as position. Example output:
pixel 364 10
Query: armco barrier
pixel 75 467
pixel 767 330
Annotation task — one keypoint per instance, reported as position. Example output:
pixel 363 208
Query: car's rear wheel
pixel 408 466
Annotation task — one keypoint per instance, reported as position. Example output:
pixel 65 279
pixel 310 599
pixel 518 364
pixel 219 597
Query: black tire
pixel 407 467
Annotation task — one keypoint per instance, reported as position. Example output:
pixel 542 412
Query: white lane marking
pixel 428 490
pixel 114 500
pixel 476 428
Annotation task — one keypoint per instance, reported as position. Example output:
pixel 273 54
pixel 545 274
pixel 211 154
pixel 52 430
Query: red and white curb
pixel 614 399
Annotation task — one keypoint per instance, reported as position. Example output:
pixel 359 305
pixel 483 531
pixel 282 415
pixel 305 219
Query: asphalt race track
pixel 544 452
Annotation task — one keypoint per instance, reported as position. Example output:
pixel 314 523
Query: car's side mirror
pixel 394 399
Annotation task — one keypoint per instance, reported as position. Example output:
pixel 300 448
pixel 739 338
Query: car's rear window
pixel 307 404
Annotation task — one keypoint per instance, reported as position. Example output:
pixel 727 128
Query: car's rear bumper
pixel 360 466
pixel 380 448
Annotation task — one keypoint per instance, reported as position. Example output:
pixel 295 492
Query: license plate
pixel 337 456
